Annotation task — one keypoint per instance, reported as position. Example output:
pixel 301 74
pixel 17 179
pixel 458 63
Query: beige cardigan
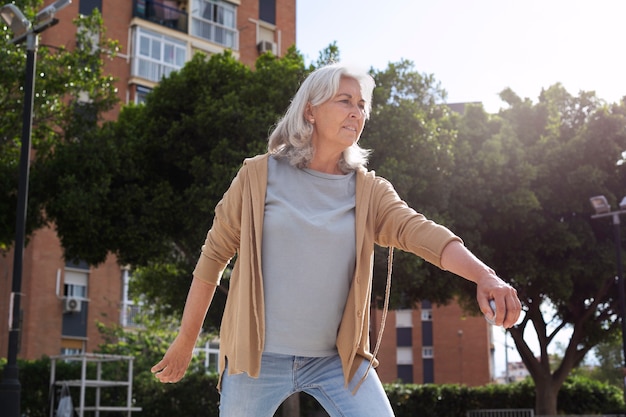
pixel 381 218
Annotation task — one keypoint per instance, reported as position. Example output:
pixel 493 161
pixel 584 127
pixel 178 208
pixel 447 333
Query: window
pixel 71 346
pixel 130 314
pixel 85 7
pixel 141 94
pixel 267 11
pixel 131 310
pixel 427 352
pixel 405 373
pixel 209 354
pixel 75 284
pixel 157 55
pixel 70 351
pixel 427 314
pixel 404 336
pixel 215 21
pixel 404 318
pixel 404 356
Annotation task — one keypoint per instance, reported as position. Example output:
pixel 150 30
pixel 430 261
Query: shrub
pixel 196 395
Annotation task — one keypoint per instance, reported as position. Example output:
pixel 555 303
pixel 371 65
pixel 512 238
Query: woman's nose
pixel 356 112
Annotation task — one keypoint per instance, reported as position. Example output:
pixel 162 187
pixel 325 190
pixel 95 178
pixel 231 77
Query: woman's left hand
pixel 507 304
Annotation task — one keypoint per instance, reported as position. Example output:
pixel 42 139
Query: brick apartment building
pixel 61 303
pixel 435 344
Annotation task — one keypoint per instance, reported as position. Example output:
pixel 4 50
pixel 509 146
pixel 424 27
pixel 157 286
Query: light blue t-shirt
pixel 308 257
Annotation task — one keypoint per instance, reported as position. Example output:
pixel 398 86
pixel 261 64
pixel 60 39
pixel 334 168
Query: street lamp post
pixel 603 209
pixel 23 30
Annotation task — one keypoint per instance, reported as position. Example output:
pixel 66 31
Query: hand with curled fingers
pixel 175 362
pixel 498 301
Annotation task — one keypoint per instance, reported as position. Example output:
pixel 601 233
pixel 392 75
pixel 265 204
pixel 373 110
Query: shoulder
pixel 369 179
pixel 255 165
pixel 257 160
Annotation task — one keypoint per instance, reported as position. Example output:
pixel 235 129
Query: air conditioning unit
pixel 267 46
pixel 72 305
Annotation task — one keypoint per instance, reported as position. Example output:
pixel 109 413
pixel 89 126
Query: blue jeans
pixel 322 378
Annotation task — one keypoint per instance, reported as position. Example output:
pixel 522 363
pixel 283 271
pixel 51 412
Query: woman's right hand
pixel 175 362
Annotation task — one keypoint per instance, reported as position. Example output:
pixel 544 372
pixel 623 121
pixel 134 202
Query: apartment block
pixel 434 344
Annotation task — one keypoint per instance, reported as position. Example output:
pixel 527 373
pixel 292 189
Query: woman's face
pixel 338 123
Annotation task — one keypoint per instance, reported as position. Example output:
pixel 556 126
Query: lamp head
pixel 46 14
pixel 600 204
pixel 15 19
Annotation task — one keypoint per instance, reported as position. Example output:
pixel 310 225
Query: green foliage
pixel 610 357
pixel 145 186
pixel 526 206
pixel 586 396
pixel 196 394
pixel 62 77
pixel 34 377
pixel 412 139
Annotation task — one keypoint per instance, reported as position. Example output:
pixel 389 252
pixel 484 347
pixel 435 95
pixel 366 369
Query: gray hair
pixel 291 138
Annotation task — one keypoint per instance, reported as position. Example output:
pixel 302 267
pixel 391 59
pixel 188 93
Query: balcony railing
pixel 162 12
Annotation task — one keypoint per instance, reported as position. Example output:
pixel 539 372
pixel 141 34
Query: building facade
pixel 157 37
pixel 435 344
pixel 62 303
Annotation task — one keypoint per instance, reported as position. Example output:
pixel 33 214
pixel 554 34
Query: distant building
pixel 515 372
pixel 460 107
pixel 435 344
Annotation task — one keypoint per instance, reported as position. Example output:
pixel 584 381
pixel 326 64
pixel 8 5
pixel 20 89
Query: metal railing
pixel 163 12
pixel 511 412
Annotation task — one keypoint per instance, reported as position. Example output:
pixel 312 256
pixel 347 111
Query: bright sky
pixel 477 48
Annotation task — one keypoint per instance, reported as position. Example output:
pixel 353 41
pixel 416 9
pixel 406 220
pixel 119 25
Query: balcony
pixel 163 12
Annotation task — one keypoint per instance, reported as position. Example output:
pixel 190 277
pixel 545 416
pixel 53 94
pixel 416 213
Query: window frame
pixel 219 26
pixel 159 57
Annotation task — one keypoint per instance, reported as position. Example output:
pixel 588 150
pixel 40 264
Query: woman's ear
pixel 308 113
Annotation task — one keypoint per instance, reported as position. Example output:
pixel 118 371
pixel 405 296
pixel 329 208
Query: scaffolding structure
pixel 98 383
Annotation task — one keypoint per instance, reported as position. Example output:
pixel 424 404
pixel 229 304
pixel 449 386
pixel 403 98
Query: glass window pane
pixel 205 10
pixel 168 53
pixel 156 50
pixel 229 18
pixel 144 46
pixel 180 57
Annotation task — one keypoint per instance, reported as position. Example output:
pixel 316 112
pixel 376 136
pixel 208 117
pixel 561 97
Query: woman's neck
pixel 328 166
pixel 326 162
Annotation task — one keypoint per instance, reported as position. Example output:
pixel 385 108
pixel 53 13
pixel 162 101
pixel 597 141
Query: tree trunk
pixel 545 398
pixel 291 406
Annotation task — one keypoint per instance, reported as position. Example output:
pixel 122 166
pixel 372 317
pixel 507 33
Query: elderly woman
pixel 303 220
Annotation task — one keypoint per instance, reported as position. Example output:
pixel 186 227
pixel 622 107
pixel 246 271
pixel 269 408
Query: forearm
pixel 196 307
pixel 459 260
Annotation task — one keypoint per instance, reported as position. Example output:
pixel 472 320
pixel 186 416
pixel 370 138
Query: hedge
pixel 196 395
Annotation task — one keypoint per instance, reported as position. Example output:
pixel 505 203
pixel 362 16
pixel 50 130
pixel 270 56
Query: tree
pixel 610 356
pixel 412 141
pixel 63 76
pixel 533 178
pixel 145 186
